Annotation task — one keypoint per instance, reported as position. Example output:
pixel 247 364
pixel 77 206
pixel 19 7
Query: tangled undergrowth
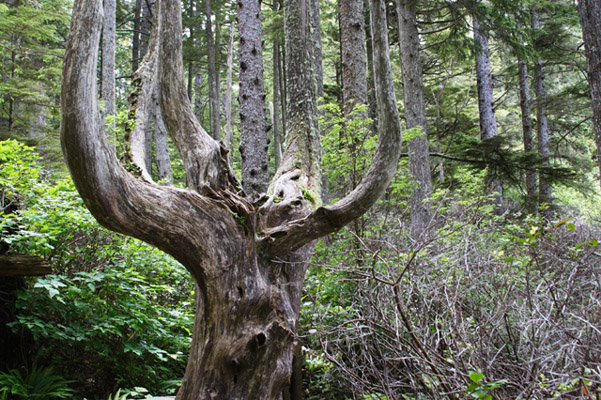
pixel 484 306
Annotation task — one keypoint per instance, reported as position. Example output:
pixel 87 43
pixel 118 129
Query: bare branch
pixel 204 158
pixel 324 220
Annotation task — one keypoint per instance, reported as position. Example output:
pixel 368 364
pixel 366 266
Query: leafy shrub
pixel 37 383
pixel 116 313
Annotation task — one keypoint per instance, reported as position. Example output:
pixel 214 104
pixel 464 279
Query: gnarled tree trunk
pixel 248 260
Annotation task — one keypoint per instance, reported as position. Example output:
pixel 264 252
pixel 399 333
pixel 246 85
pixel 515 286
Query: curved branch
pixel 324 220
pixel 158 215
pixel 140 101
pixel 204 158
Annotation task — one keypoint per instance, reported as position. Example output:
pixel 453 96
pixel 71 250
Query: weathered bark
pixel 278 100
pixel 527 137
pixel 214 117
pixel 253 122
pixel 141 108
pixel 108 60
pixel 352 49
pixel 590 20
pixel 542 125
pixel 371 89
pixel 161 142
pixel 415 114
pixel 488 121
pixel 248 263
pixel 197 93
pixel 227 131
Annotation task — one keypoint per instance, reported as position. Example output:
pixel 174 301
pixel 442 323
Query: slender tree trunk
pixel 415 114
pixel 145 28
pixel 276 105
pixel 191 76
pixel 488 121
pixel 527 137
pixel 197 94
pixel 317 52
pixel 253 122
pixel 227 131
pixel 108 60
pixel 590 19
pixel 542 126
pixel 161 142
pixel 371 84
pixel 352 44
pixel 135 58
pixel 215 124
pixel 146 24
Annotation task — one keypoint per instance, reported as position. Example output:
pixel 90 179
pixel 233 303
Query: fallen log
pixel 20 265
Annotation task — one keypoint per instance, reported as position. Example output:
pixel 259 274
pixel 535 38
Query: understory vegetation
pixel 486 305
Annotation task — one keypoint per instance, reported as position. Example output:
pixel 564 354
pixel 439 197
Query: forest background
pixel 493 293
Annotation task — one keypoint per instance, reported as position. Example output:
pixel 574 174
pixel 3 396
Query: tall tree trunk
pixel 253 122
pixel 135 58
pixel 371 89
pixel 146 24
pixel 527 137
pixel 277 103
pixel 161 142
pixel 590 19
pixel 197 94
pixel 247 304
pixel 317 48
pixel 108 60
pixel 215 123
pixel 415 114
pixel 227 131
pixel 488 121
pixel 542 126
pixel 352 47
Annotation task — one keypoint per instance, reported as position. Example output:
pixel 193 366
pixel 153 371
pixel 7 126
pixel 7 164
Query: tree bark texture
pixel 276 105
pixel 542 125
pixel 590 20
pixel 108 60
pixel 415 114
pixel 247 259
pixel 227 130
pixel 488 121
pixel 527 130
pixel 253 121
pixel 317 52
pixel 352 49
pixel 142 107
pixel 161 141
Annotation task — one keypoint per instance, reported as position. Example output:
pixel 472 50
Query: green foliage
pixel 479 390
pixel 18 169
pixel 32 35
pixel 116 309
pixel 35 384
pixel 348 146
